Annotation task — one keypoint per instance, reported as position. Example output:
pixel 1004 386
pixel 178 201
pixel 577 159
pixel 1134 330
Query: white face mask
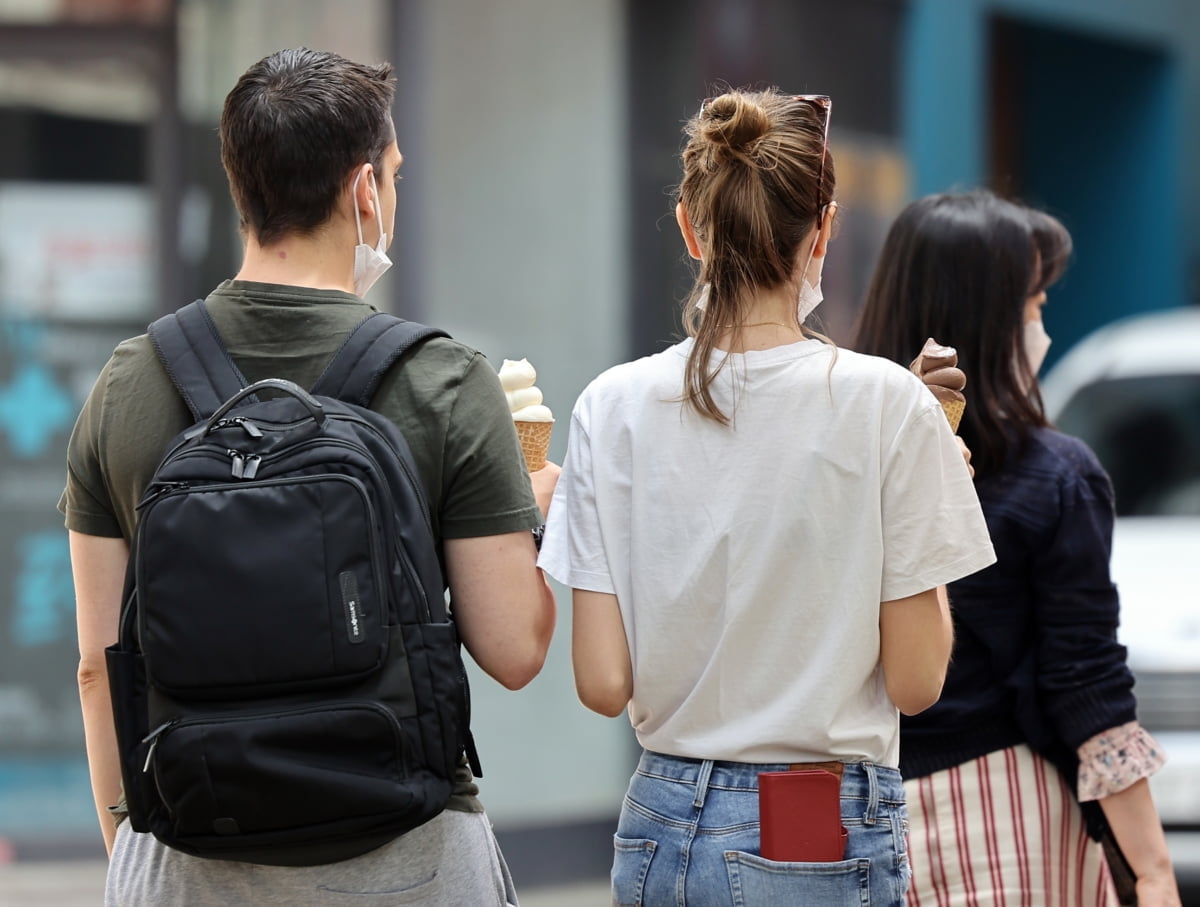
pixel 810 293
pixel 369 263
pixel 810 297
pixel 1037 343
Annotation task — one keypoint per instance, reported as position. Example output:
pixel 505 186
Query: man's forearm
pixel 101 740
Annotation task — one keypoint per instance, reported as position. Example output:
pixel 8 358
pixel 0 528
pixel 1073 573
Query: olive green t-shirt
pixel 444 396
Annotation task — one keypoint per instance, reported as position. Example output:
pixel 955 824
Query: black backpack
pixel 287 685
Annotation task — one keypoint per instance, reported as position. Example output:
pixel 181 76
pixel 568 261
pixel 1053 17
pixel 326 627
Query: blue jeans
pixel 688 836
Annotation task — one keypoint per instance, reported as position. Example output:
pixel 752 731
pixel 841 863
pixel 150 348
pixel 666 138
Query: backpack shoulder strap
pixel 190 349
pixel 371 349
pixel 353 376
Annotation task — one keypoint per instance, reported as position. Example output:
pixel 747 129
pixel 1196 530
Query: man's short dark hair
pixel 293 127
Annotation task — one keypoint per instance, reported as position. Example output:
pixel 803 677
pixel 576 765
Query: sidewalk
pixel 81 884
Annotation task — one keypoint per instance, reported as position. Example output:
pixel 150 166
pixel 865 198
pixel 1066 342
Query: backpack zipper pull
pixel 249 427
pixel 251 466
pixel 239 463
pixel 152 739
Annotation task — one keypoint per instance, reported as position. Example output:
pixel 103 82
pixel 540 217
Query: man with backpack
pixel 290 710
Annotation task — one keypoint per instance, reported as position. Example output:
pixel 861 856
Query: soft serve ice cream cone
pixel 937 366
pixel 533 420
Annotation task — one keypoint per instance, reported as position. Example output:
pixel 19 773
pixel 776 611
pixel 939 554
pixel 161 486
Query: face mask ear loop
pixel 820 225
pixel 357 216
pixel 808 264
pixel 382 244
pixel 813 251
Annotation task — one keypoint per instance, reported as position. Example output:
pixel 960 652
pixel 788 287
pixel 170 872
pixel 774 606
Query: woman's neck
pixel 768 320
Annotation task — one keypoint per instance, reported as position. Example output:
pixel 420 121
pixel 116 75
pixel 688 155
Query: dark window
pixel 48 147
pixel 1146 432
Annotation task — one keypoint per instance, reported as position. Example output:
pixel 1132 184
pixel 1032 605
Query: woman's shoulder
pixel 1062 466
pixel 1064 453
pixel 892 385
pixel 630 379
pixel 874 366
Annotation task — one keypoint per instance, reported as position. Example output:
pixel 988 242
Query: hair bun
pixel 734 122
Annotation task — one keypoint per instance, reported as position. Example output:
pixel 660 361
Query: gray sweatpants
pixel 450 861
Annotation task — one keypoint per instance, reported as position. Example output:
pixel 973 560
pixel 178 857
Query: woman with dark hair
pixel 1037 712
pixel 756 526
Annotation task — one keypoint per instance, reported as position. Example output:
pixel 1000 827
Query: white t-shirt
pixel 749 561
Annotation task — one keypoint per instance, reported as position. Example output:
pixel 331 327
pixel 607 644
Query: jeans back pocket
pixel 631 863
pixel 756 881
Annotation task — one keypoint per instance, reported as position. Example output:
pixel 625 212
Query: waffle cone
pixel 954 412
pixel 535 442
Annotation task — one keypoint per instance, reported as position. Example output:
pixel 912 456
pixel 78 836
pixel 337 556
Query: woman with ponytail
pixel 755 526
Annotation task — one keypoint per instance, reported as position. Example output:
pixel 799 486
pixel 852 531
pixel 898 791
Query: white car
pixel 1131 390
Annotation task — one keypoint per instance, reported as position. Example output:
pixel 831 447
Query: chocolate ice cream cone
pixel 937 366
pixel 954 412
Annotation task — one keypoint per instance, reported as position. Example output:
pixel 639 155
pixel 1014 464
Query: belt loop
pixel 872 793
pixel 706 768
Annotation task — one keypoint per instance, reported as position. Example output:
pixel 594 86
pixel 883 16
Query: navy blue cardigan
pixel 1036 658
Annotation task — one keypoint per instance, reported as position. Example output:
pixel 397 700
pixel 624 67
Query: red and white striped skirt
pixel 1002 830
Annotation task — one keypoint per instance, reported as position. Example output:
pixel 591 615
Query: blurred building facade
pixel 1089 108
pixel 535 219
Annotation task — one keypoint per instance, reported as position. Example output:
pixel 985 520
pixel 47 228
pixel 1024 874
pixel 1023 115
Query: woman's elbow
pixel 608 698
pixel 914 698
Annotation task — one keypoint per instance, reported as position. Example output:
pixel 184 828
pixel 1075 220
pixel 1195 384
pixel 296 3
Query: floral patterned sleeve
pixel 1114 759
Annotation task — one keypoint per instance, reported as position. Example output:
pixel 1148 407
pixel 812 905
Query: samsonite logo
pixel 353 610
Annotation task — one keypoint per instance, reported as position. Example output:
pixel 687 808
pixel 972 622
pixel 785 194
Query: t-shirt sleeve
pixel 573 547
pixel 486 488
pixel 933 527
pixel 86 501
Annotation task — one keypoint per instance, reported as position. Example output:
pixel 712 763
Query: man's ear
pixel 826 231
pixel 364 190
pixel 689 234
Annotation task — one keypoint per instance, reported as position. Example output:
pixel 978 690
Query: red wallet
pixel 800 817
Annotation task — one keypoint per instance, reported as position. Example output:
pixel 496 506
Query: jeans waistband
pixel 860 780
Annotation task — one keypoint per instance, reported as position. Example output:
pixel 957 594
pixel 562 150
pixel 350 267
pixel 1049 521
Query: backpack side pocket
pixel 127 685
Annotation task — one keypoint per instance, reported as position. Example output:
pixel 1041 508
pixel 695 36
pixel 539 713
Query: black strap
pixel 472 753
pixel 373 347
pixel 191 351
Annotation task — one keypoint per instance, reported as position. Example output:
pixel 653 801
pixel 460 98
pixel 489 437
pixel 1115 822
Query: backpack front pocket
pixel 253 773
pixel 249 588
